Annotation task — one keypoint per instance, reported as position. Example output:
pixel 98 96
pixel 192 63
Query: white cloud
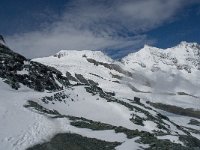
pixel 99 24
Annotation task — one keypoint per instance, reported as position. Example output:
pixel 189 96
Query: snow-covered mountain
pixel 171 70
pixel 85 100
pixel 184 56
pixel 149 71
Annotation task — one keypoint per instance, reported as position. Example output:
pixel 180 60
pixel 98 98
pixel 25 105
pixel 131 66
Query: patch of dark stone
pixel 116 81
pixel 12 82
pixel 72 141
pixel 89 124
pixel 81 79
pixel 110 66
pixel 190 142
pixel 177 110
pixel 93 125
pixel 194 122
pixel 137 101
pixel 183 93
pixel 70 77
pixel 97 76
pixel 40 108
pixel 195 131
pixel 59 96
pixel 94 89
pixel 84 80
pixel 137 120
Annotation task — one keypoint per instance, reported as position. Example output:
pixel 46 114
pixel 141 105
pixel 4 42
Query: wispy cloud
pixel 98 25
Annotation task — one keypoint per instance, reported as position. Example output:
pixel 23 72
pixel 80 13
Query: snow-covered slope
pixel 73 61
pixel 93 65
pixel 86 100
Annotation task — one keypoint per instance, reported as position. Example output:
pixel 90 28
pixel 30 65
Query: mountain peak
pixel 98 55
pixel 146 50
pixel 187 44
pixel 148 46
pixel 2 41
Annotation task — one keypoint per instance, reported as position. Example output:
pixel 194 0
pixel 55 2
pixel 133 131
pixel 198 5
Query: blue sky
pixel 37 28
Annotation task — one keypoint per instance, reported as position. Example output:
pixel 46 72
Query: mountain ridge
pixel 182 44
pixel 189 54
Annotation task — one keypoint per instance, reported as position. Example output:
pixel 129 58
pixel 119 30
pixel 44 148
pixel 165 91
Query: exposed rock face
pixel 16 69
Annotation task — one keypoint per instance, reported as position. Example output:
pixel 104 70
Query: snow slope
pixel 144 72
pixel 21 128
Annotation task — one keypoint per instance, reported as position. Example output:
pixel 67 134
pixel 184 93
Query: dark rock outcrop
pixel 15 69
